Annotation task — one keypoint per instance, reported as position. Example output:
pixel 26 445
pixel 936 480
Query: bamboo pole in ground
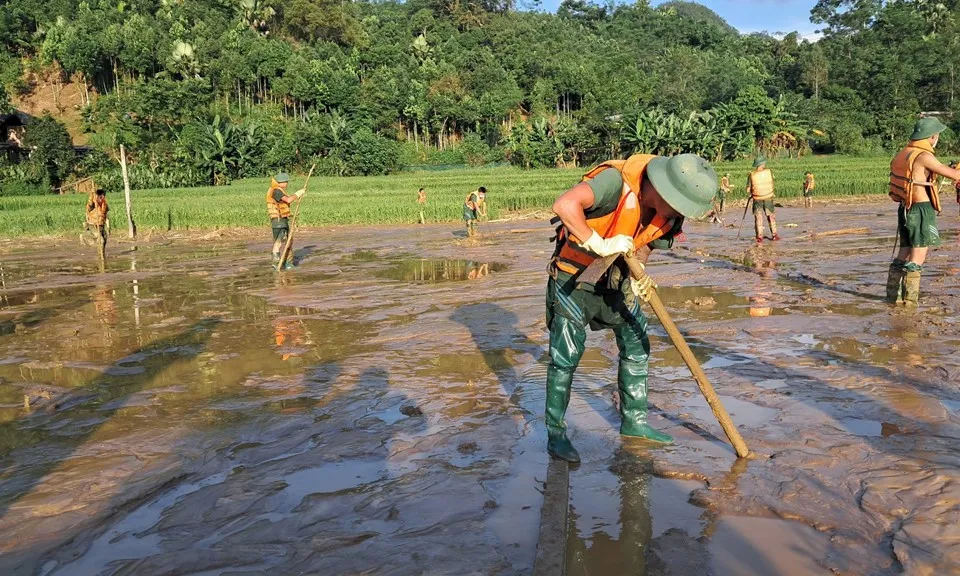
pixel 131 229
pixel 723 417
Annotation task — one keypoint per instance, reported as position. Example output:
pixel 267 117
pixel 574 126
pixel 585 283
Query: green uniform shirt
pixel 607 187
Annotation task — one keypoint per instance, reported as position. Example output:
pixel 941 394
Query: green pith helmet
pixel 927 127
pixel 686 182
pixel 282 177
pixel 760 161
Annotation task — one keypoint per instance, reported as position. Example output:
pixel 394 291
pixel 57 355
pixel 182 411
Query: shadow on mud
pixel 162 354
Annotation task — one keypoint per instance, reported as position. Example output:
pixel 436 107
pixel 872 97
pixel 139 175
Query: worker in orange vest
pixel 913 185
pixel 633 205
pixel 760 188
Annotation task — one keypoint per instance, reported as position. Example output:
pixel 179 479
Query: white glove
pixel 604 247
pixel 644 287
pixel 299 193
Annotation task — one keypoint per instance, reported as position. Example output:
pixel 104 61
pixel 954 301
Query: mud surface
pixel 379 410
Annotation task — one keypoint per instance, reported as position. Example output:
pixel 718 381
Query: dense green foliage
pixel 392 199
pixel 208 91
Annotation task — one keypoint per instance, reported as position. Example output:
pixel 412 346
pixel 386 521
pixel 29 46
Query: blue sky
pixel 752 15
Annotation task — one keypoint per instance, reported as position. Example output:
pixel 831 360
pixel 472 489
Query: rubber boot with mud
pixel 558 397
pixel 911 283
pixel 632 385
pixel 895 282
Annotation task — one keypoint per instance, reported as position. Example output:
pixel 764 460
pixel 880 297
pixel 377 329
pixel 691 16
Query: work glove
pixel 604 247
pixel 299 193
pixel 644 287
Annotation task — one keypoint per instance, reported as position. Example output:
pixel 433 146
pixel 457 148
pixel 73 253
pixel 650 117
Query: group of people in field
pixel 636 206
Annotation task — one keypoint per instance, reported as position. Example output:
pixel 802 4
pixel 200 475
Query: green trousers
pixel 570 310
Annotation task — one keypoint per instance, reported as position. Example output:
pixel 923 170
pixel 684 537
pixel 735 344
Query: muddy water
pixel 379 410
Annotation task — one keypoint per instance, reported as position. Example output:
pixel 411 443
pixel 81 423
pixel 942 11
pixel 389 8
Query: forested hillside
pixel 205 91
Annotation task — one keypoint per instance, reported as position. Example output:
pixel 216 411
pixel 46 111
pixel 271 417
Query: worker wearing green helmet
pixel 633 205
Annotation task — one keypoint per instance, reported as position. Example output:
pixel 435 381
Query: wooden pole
pixel 723 417
pixel 131 229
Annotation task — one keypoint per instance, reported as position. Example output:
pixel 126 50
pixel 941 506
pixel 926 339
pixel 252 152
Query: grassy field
pixel 392 199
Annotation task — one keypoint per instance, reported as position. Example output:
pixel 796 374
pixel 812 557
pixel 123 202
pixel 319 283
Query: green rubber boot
pixel 632 378
pixel 895 282
pixel 632 385
pixel 567 341
pixel 558 397
pixel 911 283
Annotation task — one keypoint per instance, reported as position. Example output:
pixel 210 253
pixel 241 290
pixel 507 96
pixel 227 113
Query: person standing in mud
pixel 98 220
pixel 422 202
pixel 725 189
pixel 913 185
pixel 637 204
pixel 760 188
pixel 278 209
pixel 809 183
pixel 471 209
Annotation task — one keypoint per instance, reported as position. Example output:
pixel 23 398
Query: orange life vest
pixel 724 184
pixel 276 209
pixel 810 183
pixel 97 216
pixel 626 219
pixel 761 184
pixel 901 175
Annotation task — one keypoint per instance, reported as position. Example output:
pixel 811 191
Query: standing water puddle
pixel 433 271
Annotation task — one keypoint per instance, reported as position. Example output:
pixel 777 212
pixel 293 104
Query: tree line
pixel 206 91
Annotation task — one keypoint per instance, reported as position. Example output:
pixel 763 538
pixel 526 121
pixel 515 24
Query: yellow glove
pixel 644 287
pixel 604 247
pixel 299 193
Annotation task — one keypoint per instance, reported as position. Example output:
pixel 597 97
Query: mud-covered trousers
pixel 570 310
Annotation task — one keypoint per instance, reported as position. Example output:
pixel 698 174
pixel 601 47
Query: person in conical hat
pixel 634 205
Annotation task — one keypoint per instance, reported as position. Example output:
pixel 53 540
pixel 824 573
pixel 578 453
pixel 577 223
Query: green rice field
pixel 392 199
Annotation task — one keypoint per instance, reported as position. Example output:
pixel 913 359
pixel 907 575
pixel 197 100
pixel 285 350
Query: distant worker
pixel 725 188
pixel 471 209
pixel 809 184
pixel 482 203
pixel 760 188
pixel 913 185
pixel 422 201
pixel 278 208
pixel 638 204
pixel 98 220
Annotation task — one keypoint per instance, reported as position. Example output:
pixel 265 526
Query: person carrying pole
pixel 621 206
pixel 760 188
pixel 422 202
pixel 278 209
pixel 913 185
pixel 809 184
pixel 98 220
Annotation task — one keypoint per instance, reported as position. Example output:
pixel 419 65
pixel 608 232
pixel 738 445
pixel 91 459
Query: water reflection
pixel 430 271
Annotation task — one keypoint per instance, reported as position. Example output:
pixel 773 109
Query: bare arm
pixel 930 162
pixel 570 207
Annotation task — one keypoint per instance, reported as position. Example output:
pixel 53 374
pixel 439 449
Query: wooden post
pixel 131 229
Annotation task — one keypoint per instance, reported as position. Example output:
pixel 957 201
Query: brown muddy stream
pixel 379 410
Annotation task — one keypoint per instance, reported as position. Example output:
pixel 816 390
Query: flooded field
pixel 380 409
